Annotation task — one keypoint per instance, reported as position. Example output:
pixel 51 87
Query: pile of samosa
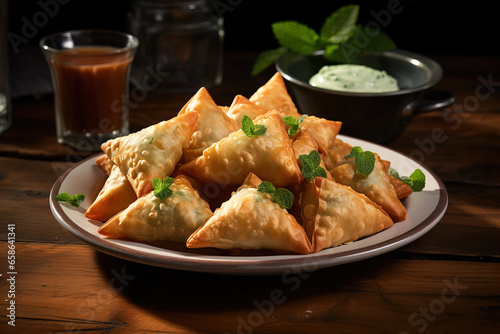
pixel 217 168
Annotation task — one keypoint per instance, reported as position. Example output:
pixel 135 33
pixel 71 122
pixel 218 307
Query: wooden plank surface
pixel 96 292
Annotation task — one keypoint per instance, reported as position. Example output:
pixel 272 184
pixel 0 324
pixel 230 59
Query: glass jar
pixel 181 45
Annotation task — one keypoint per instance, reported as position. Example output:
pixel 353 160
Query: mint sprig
pixel 311 168
pixel 162 187
pixel 364 160
pixel 293 124
pixel 339 37
pixel 416 180
pixel 282 196
pixel 75 200
pixel 250 129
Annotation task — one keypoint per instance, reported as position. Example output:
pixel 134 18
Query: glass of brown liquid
pixel 90 74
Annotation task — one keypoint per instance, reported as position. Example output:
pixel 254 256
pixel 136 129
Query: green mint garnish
pixel 73 200
pixel 293 124
pixel 282 196
pixel 364 160
pixel 416 180
pixel 266 59
pixel 338 27
pixel 339 37
pixel 250 129
pixel 162 187
pixel 311 168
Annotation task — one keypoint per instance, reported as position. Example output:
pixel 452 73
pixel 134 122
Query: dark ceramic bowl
pixel 377 117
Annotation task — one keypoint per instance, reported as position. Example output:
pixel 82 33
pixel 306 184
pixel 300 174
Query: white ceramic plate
pixel 425 209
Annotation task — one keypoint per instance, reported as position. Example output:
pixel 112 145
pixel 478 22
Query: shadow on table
pixel 228 303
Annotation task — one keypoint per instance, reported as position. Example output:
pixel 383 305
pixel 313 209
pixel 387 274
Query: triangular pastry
pixel 212 124
pixel 243 106
pixel 334 214
pixel 151 152
pixel 336 153
pixel 150 219
pixel 304 143
pixel 273 95
pixel 104 163
pixel 269 156
pixel 116 195
pixel 323 131
pixel 251 220
pixel 377 186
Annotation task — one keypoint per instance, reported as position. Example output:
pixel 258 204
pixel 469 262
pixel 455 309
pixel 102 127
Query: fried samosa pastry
pixel 116 195
pixel 323 131
pixel 212 124
pixel 152 152
pixel 377 186
pixel 104 163
pixel 402 189
pixel 150 218
pixel 334 214
pixel 273 95
pixel 251 220
pixel 336 153
pixel 243 106
pixel 269 156
pixel 304 143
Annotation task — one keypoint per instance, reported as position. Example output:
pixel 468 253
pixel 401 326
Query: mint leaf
pixel 250 129
pixel 338 27
pixel 266 59
pixel 362 40
pixel 394 173
pixel 416 180
pixel 282 196
pixel 259 130
pixel 161 187
pixel 296 37
pixel 73 200
pixel 364 160
pixel 266 187
pixel 311 168
pixel 293 124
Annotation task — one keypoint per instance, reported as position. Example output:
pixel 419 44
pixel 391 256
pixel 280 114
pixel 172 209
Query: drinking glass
pixel 90 72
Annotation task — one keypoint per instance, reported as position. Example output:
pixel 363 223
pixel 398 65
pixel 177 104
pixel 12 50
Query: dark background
pixel 432 27
pixel 422 26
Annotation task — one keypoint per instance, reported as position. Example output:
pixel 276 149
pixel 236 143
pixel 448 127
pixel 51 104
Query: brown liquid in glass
pixel 92 88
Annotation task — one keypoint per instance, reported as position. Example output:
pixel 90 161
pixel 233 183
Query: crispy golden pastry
pixel 116 195
pixel 273 95
pixel 402 189
pixel 104 163
pixel 336 153
pixel 334 214
pixel 303 143
pixel 377 186
pixel 151 152
pixel 151 219
pixel 230 160
pixel 251 220
pixel 212 124
pixel 323 131
pixel 243 106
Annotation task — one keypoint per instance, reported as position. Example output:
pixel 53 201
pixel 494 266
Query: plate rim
pixel 266 266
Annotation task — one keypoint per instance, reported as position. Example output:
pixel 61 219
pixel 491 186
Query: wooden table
pixel 448 281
